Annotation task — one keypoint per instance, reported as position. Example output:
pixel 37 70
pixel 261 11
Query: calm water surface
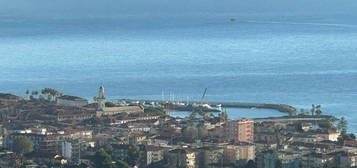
pixel 297 60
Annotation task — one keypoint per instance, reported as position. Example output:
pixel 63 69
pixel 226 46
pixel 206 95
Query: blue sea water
pixel 298 60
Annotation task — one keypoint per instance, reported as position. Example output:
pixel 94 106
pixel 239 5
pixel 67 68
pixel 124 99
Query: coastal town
pixel 49 129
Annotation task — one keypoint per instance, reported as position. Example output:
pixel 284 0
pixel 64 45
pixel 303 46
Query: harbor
pixel 216 106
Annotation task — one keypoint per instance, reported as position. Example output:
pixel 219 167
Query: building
pixel 71 150
pixel 120 151
pixel 74 114
pixel 182 158
pixel 267 159
pixel 100 99
pixel 108 111
pixel 209 155
pixel 346 159
pixel 239 153
pixel 6 98
pixel 313 160
pixel 74 101
pixel 240 130
pixel 154 154
pixel 44 142
pixel 265 137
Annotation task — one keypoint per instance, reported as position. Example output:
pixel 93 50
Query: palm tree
pixel 318 110
pixel 27 93
pixel 33 93
pixel 342 125
pixel 313 109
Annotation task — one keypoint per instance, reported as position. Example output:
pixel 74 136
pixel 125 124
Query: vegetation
pixel 326 125
pixel 103 160
pixel 250 164
pixel 51 94
pixel 121 164
pixel 346 137
pixel 5 95
pixel 22 145
pixel 109 104
pixel 156 111
pixel 316 110
pixel 192 133
pixel 133 155
pixel 342 125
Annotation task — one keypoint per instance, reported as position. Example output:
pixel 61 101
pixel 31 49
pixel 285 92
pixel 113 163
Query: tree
pixel 278 164
pixel 313 109
pixel 346 137
pixel 342 125
pixel 203 159
pixel 250 164
pixel 133 155
pixel 326 125
pixel 51 93
pixel 22 145
pixel 190 133
pixel 27 93
pixel 109 104
pixel 121 164
pixel 202 132
pixel 318 110
pixel 102 159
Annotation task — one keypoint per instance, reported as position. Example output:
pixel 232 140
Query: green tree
pixel 278 164
pixel 27 93
pixel 250 164
pixel 346 137
pixel 121 164
pixel 318 110
pixel 313 110
pixel 109 104
pixel 52 94
pixel 202 132
pixel 22 145
pixel 342 125
pixel 190 133
pixel 133 155
pixel 203 159
pixel 102 159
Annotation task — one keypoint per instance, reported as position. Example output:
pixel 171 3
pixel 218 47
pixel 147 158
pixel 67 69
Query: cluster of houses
pixel 70 131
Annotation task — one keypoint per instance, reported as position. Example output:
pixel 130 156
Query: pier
pixel 284 108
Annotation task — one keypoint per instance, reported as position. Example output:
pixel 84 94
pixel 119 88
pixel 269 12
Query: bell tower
pixel 101 98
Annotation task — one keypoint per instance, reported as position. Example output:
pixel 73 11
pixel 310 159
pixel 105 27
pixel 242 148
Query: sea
pixel 298 60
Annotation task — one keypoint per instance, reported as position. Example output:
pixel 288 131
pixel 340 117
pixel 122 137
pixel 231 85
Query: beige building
pixel 108 111
pixel 316 160
pixel 239 152
pixel 240 130
pixel 182 158
pixel 154 154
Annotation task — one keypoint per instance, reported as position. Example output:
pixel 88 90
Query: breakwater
pixel 284 108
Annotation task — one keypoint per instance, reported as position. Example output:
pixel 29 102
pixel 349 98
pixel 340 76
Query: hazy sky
pixel 110 7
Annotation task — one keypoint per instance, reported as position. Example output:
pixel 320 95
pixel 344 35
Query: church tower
pixel 101 98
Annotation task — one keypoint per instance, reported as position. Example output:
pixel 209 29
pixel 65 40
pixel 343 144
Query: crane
pixel 203 96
